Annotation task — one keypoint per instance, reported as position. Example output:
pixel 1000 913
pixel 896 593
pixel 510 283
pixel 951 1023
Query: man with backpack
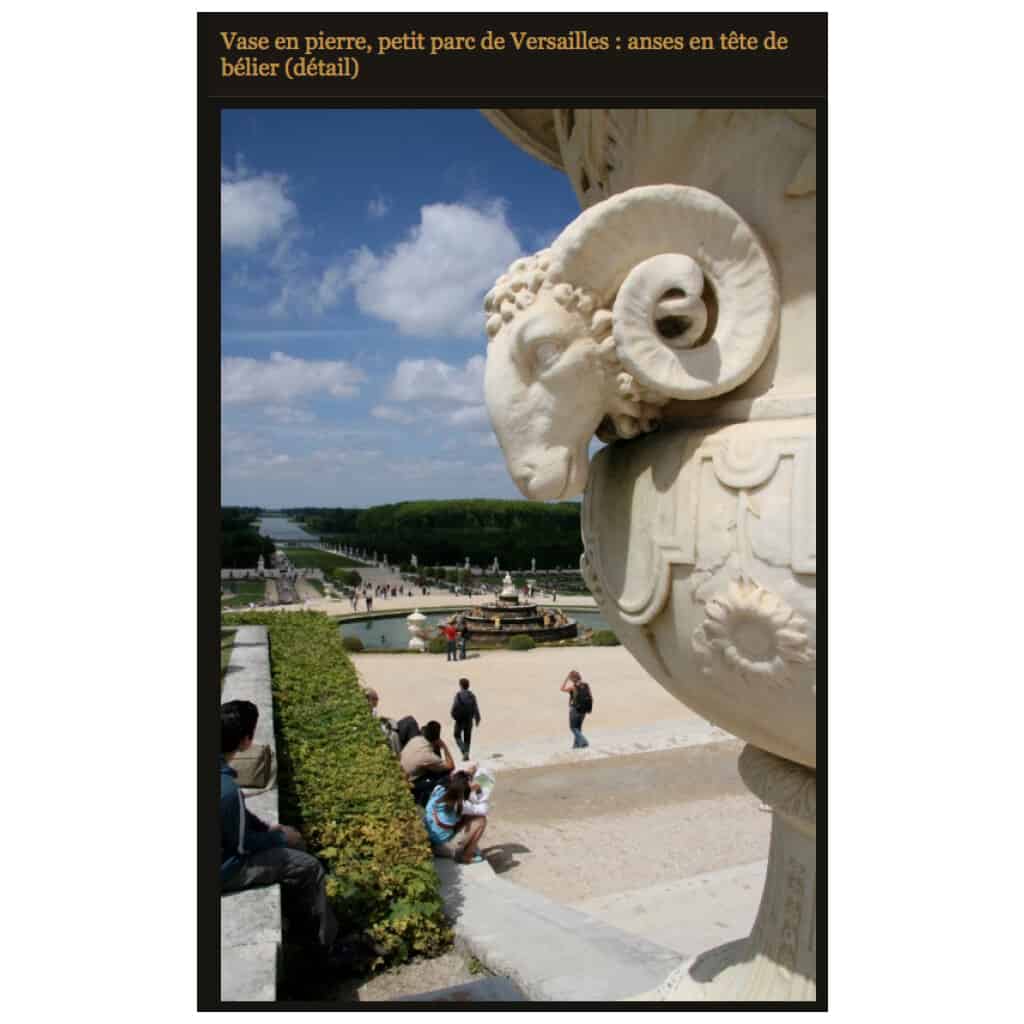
pixel 581 703
pixel 465 711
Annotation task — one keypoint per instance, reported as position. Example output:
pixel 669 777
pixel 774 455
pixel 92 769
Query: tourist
pixel 452 833
pixel 466 712
pixel 451 635
pixel 389 728
pixel 426 762
pixel 579 699
pixel 463 631
pixel 406 728
pixel 369 603
pixel 253 853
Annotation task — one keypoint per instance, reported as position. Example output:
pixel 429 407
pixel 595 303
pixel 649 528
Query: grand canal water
pixel 391 631
pixel 279 528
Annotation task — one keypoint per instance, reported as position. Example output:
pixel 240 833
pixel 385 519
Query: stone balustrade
pixel 250 921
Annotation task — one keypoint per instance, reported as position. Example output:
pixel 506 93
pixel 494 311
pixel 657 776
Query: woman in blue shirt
pixel 453 834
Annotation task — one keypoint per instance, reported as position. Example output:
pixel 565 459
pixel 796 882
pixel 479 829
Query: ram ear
pixel 696 301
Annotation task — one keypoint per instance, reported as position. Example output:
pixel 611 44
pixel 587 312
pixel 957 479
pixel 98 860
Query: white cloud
pixel 287 415
pixel 392 415
pixel 254 209
pixel 472 417
pixel 280 380
pixel 415 470
pixel 417 380
pixel 378 207
pixel 441 395
pixel 433 282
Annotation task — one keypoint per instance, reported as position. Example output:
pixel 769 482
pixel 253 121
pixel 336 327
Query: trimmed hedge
pixel 521 643
pixel 343 787
pixel 604 638
pixel 437 645
pixel 352 643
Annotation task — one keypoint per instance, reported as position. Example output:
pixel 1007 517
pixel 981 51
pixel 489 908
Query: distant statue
pixel 415 562
pixel 467 563
pixel 533 565
pixel 508 588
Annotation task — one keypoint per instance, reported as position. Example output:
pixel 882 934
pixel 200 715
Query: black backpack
pixel 584 698
pixel 463 706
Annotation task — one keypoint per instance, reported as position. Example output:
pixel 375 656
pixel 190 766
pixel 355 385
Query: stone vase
pixel 417 631
pixel 676 318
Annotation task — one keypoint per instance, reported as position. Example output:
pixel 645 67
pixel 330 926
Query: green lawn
pixel 317 585
pixel 243 592
pixel 310 558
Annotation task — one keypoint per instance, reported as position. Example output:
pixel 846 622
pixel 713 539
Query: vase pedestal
pixel 777 961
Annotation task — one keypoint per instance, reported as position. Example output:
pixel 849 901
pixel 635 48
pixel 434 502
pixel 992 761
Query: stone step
pixel 550 952
pixel 671 735
pixel 691 915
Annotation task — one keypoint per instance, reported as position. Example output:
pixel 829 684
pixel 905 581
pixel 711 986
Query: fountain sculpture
pixel 497 623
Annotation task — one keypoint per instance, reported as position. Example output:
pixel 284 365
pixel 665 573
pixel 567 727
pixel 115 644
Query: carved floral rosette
pixel 699 547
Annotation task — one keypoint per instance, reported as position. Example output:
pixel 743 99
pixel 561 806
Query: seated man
pixel 373 699
pixel 426 762
pixel 253 853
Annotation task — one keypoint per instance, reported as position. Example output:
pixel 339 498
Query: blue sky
pixel 357 246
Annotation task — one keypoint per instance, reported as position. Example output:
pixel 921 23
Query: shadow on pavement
pixel 501 856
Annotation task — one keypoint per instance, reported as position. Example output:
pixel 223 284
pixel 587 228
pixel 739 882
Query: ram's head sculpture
pixel 657 294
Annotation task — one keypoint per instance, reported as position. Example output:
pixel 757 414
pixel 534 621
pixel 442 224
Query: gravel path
pixel 575 832
pixel 519 697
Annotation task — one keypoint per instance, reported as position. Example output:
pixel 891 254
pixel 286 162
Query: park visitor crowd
pixel 368 593
pixel 255 853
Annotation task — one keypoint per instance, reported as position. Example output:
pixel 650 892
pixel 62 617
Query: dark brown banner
pixel 483 58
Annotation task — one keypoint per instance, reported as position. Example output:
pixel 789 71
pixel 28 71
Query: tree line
pixel 447 532
pixel 241 543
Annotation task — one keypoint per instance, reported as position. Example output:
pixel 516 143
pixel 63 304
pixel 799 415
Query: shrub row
pixel 343 787
pixel 604 638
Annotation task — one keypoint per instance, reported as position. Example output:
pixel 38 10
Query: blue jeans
pixel 575 727
pixel 451 651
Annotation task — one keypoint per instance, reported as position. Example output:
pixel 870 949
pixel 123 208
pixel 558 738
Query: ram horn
pixel 696 301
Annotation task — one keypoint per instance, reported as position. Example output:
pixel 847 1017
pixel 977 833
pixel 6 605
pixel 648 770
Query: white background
pixel 98 418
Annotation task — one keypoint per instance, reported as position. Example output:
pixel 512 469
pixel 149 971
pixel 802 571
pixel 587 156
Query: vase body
pixel 699 548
